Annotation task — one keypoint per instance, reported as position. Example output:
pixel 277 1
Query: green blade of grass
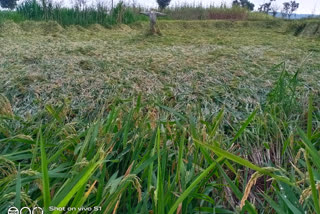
pixel 88 171
pixel 217 122
pixel 249 208
pixel 310 148
pixel 101 184
pixel 159 190
pixel 213 210
pixel 244 162
pixel 244 126
pixel 17 201
pixel 290 205
pixel 59 152
pixel 78 202
pixel 180 155
pixel 309 122
pixel 273 204
pixel 234 188
pixel 145 164
pixel 314 190
pixel 309 167
pixel 150 172
pixel 45 174
pixel 285 145
pixel 187 192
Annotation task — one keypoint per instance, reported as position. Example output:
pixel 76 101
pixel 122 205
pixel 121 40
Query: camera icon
pixel 13 210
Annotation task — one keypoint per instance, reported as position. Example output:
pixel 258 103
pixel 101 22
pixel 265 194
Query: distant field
pixel 209 117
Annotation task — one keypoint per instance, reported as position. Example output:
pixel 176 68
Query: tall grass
pixel 149 157
pixel 198 12
pixel 32 10
pixel 222 12
pixel 10 15
pixel 122 13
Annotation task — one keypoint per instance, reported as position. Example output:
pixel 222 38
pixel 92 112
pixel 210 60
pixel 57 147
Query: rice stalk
pixel 5 106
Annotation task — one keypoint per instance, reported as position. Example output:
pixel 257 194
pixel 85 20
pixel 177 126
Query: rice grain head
pixel 253 180
pixel 307 193
pixel 251 183
pixel 5 106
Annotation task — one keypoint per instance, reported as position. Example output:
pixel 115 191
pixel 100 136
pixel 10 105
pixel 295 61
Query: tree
pixel 289 8
pixel 163 3
pixel 236 3
pixel 274 9
pixel 9 4
pixel 243 3
pixel 285 10
pixel 266 7
pixel 294 7
pixel 247 4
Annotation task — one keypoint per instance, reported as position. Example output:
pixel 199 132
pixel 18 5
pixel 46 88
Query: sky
pixel 306 6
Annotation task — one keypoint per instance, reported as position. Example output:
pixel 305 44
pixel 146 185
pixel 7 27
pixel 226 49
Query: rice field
pixel 209 117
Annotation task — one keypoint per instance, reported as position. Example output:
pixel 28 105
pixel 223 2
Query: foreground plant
pixel 122 163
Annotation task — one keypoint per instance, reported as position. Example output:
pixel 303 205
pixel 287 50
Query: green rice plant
pixel 289 196
pixel 283 96
pixel 193 186
pixel 44 171
pixel 313 154
pixel 105 164
pixel 17 201
pixel 149 157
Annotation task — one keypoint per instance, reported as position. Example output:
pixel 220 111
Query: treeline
pixel 287 9
pixel 108 15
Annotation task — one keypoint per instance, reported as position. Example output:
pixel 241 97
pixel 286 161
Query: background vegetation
pixel 107 15
pixel 121 14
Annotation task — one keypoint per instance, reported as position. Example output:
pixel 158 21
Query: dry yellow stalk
pixel 116 207
pixel 90 189
pixel 251 183
pixel 5 106
pixel 307 192
pixel 298 156
pixel 129 169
